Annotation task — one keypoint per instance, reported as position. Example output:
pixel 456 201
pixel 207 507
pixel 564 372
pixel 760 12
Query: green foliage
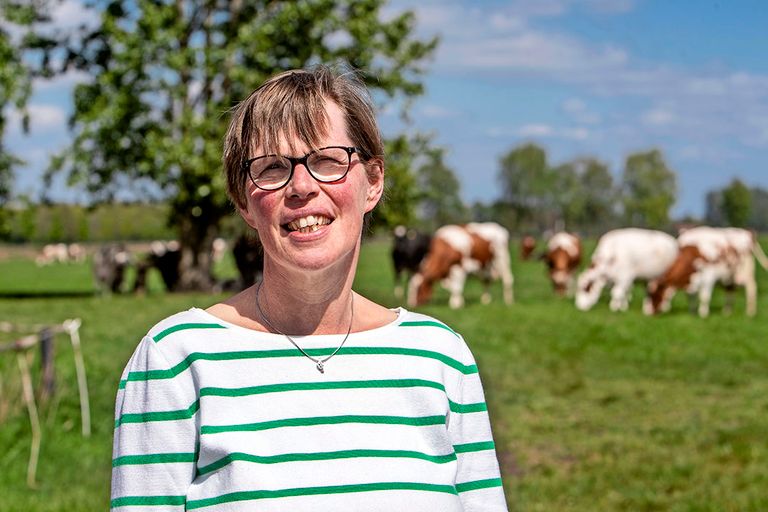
pixel 575 195
pixel 75 223
pixel 737 203
pixel 526 182
pixel 440 202
pixel 165 72
pixel 649 189
pixel 590 411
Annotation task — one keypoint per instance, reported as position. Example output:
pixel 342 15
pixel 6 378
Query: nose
pixel 302 184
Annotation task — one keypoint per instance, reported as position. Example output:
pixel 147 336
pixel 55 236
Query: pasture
pixel 591 410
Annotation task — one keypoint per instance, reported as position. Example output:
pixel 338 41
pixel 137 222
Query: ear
pixel 247 215
pixel 375 177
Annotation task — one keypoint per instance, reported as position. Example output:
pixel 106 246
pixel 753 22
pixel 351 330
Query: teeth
pixel 308 224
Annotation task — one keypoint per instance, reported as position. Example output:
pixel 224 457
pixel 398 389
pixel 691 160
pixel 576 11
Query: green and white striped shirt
pixel 214 416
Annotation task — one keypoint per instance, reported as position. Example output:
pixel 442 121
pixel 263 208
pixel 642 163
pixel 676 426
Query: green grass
pixel 591 411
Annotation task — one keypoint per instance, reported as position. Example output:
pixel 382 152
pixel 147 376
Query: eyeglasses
pixel 326 165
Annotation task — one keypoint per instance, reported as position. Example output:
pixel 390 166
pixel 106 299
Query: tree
pixel 526 183
pixel 759 200
pixel 440 200
pixel 737 203
pixel 649 189
pixel 714 215
pixel 165 73
pixel 15 88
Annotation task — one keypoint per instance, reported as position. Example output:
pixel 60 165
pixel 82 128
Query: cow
pixel 563 257
pixel 109 264
pixel 709 256
pixel 527 246
pixel 456 251
pixel 165 256
pixel 408 250
pixel 621 257
pixel 249 259
pixel 52 253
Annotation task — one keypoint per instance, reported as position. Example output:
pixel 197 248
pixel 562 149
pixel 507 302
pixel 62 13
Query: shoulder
pixel 191 320
pixel 439 334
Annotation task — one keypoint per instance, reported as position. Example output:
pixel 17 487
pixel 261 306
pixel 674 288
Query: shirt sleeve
pixel 478 480
pixel 155 436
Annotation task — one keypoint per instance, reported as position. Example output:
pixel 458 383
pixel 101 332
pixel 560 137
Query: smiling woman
pixel 298 393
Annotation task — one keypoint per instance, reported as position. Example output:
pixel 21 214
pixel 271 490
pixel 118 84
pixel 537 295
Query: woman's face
pixel 336 208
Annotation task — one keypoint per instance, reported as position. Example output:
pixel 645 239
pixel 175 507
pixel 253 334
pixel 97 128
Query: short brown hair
pixel 292 105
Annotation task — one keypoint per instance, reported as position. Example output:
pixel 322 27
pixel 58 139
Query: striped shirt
pixel 214 416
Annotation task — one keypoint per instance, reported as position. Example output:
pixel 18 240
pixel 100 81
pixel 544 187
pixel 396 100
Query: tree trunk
pixel 196 235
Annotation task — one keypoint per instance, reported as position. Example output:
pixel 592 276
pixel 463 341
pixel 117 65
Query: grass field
pixel 591 411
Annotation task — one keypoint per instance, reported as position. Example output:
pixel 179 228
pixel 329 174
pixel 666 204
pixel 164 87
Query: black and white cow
pixel 408 249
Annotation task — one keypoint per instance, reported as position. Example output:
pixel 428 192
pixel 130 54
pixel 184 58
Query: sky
pixel 597 78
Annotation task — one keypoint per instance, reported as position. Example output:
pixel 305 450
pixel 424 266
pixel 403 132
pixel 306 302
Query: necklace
pixel 319 363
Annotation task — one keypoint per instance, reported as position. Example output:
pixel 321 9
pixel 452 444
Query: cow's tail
pixel 759 254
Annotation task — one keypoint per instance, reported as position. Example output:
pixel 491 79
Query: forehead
pixel 291 142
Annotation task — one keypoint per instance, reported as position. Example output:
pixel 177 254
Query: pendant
pixel 320 367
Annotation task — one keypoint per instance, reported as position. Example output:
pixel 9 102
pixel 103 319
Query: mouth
pixel 308 224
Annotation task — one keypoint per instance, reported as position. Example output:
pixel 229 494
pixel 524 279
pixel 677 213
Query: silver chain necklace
pixel 319 363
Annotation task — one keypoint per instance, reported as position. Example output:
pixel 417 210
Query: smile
pixel 308 224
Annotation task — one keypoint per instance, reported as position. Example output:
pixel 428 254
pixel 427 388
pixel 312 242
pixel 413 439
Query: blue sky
pixel 601 78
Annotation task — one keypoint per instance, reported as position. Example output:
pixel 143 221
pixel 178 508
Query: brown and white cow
pixel 563 257
pixel 527 246
pixel 456 251
pixel 709 256
pixel 621 257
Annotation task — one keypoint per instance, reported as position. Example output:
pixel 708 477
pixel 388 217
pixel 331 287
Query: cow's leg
pixel 454 283
pixel 398 284
pixel 501 270
pixel 750 288
pixel 620 295
pixel 705 296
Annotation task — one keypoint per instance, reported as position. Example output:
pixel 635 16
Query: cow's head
pixel 588 287
pixel 558 262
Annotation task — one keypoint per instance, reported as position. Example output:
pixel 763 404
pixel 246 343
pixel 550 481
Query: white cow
pixel 456 251
pixel 709 256
pixel 621 257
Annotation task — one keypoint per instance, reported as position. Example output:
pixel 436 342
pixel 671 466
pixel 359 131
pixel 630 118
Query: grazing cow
pixel 165 257
pixel 563 257
pixel 408 249
pixel 527 246
pixel 621 257
pixel 708 256
pixel 109 264
pixel 52 253
pixel 456 251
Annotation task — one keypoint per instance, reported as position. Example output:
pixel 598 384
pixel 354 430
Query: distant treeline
pixel 48 223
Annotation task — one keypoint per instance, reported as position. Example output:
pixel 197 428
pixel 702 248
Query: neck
pixel 307 302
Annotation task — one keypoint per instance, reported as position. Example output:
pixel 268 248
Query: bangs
pixel 293 114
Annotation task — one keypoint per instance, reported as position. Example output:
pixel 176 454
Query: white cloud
pixel 658 117
pixel 578 111
pixel 535 130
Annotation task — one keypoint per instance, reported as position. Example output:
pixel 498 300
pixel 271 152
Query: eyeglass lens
pixel 325 165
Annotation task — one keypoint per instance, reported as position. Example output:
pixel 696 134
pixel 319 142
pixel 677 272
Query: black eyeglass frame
pixel 294 160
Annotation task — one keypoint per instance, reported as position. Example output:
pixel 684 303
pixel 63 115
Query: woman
pixel 298 393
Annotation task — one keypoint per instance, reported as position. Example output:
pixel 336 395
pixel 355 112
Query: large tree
pixel 440 191
pixel 649 189
pixel 165 73
pixel 737 203
pixel 527 184
pixel 15 88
